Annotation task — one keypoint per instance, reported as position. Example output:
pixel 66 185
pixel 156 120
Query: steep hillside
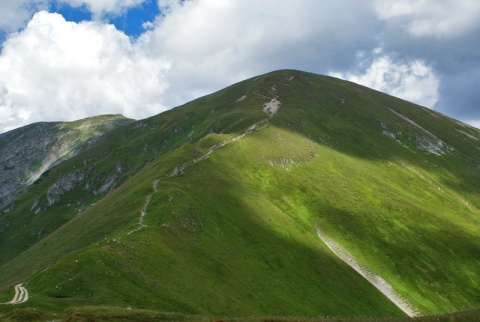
pixel 26 153
pixel 271 197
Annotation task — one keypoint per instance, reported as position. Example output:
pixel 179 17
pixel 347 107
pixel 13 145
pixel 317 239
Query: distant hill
pixel 288 194
pixel 27 152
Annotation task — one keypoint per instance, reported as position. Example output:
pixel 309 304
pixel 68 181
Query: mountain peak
pixel 286 194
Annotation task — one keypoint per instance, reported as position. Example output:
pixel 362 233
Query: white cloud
pixel 100 8
pixel 432 18
pixel 412 80
pixel 16 13
pixel 215 43
pixel 58 70
pixel 198 46
pixel 167 6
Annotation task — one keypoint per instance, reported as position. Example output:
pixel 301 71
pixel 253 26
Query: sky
pixel 62 60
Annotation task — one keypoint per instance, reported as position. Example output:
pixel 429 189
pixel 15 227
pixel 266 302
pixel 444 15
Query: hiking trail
pixel 21 295
pixel 270 108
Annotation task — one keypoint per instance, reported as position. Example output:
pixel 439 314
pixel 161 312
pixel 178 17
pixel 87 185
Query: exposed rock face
pixel 23 152
pixel 110 180
pixel 28 152
pixel 63 185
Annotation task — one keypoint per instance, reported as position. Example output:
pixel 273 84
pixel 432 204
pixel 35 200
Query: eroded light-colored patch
pixel 470 136
pixel 377 281
pixel 430 143
pixel 271 108
pixel 241 98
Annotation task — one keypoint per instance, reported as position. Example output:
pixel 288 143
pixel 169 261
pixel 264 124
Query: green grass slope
pixel 230 212
pixel 83 180
pixel 28 154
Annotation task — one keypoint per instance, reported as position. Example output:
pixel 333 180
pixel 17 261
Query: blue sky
pixel 70 13
pixel 131 21
pixel 69 59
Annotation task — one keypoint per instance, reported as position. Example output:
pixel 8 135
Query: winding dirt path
pixel 143 212
pixel 270 108
pixel 21 295
pixel 374 279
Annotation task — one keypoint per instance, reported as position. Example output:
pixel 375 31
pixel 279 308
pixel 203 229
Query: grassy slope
pixel 205 257
pixel 21 228
pixel 131 147
pixel 235 234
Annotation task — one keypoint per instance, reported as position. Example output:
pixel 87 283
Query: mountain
pixel 26 153
pixel 288 194
pixel 30 152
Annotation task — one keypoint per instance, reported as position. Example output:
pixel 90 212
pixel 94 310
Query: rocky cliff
pixel 28 152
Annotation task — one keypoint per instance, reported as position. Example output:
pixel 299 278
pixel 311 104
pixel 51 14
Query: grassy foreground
pixel 106 314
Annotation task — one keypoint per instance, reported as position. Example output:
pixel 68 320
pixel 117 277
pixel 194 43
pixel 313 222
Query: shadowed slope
pixel 231 229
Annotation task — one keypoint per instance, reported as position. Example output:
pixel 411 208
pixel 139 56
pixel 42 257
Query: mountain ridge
pixel 371 170
pixel 37 147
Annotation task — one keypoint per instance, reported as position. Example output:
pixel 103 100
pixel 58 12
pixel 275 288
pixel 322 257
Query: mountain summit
pixel 288 194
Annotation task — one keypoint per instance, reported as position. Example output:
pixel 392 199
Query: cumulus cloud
pixel 100 8
pixel 59 70
pixel 215 43
pixel 445 35
pixel 443 32
pixel 431 18
pixel 412 80
pixel 196 47
pixel 16 13
pixel 167 6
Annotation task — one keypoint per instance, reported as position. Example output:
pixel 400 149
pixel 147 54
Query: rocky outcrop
pixel 23 152
pixel 96 184
pixel 28 152
pixel 65 184
pixel 110 180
